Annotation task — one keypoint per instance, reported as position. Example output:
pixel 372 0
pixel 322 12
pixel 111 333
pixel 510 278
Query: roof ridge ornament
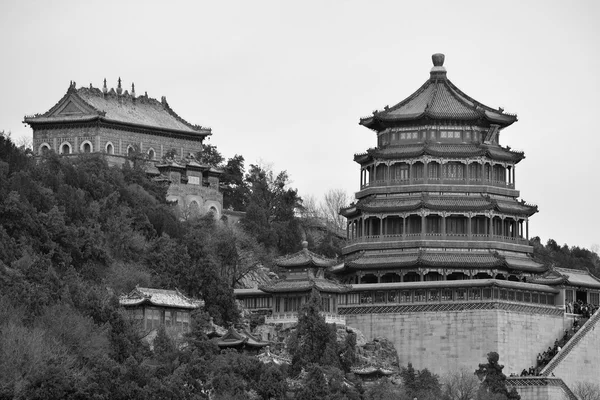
pixel 104 88
pixel 119 89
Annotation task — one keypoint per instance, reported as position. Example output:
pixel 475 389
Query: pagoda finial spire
pixel 119 89
pixel 133 90
pixel 438 71
pixel 104 88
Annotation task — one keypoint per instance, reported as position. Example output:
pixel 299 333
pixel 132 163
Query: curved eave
pixel 40 121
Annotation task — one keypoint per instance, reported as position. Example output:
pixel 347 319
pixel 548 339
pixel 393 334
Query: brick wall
pixel 445 340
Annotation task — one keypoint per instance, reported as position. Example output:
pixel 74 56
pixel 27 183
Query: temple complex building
pixel 438 259
pixel 121 125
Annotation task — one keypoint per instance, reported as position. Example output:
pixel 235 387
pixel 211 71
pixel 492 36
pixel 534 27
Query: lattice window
pixel 461 294
pixel 527 297
pixel 366 298
pixel 569 296
pixel 595 298
pixel 419 296
pixel 474 294
pixel 487 293
pixel 446 295
pixel 392 297
pixel 535 298
pixel 353 298
pixel 433 295
pixel 503 295
pixel 519 296
pixel 405 297
pixel 379 297
pixel 511 295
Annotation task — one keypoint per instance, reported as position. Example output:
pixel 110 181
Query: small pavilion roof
pixel 395 152
pixel 235 338
pixel 304 285
pixel 160 298
pixel 305 258
pixel 90 104
pixel 437 99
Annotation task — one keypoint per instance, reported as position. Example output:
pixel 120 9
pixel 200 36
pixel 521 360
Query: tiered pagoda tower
pixel 437 198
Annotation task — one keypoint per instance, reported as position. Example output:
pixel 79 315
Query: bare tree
pixel 461 385
pixel 334 200
pixel 310 208
pixel 587 391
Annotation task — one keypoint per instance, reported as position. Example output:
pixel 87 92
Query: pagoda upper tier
pixel 437 99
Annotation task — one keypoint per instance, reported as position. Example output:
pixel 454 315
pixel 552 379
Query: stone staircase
pixel 570 345
pixel 522 382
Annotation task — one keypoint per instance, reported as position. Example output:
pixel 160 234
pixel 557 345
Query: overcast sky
pixel 286 82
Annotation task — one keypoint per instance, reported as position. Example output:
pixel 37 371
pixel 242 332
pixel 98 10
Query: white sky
pixel 286 82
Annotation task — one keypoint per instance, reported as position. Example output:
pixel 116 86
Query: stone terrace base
pixel 541 388
pixel 446 338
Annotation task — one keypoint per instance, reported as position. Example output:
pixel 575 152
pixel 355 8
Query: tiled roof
pixel 87 104
pixel 321 284
pixel 400 259
pixel 159 297
pixel 439 203
pixel 578 277
pixel 437 99
pixel 521 262
pixel 305 258
pixel 551 277
pixel 455 284
pixel 460 259
pixel 392 152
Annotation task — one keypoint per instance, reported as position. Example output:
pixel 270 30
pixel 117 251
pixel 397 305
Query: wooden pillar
pixel 469 231
pixel 527 227
pixel 381 231
pixel 426 170
pixel 404 226
pixel 444 225
pixel 423 224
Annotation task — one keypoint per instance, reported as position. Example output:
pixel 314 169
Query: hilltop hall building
pixel 122 125
pixel 438 258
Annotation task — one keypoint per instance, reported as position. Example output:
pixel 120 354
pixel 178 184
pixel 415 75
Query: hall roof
pixel 437 99
pixel 93 104
pixel 304 258
pixel 159 298
pixel 569 276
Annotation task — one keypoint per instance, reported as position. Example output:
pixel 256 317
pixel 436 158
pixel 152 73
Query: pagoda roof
pixel 449 150
pixel 92 104
pixel 439 203
pixel 437 99
pixel 304 285
pixel 159 298
pixel 568 276
pixel 305 258
pixel 442 259
pixel 235 338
